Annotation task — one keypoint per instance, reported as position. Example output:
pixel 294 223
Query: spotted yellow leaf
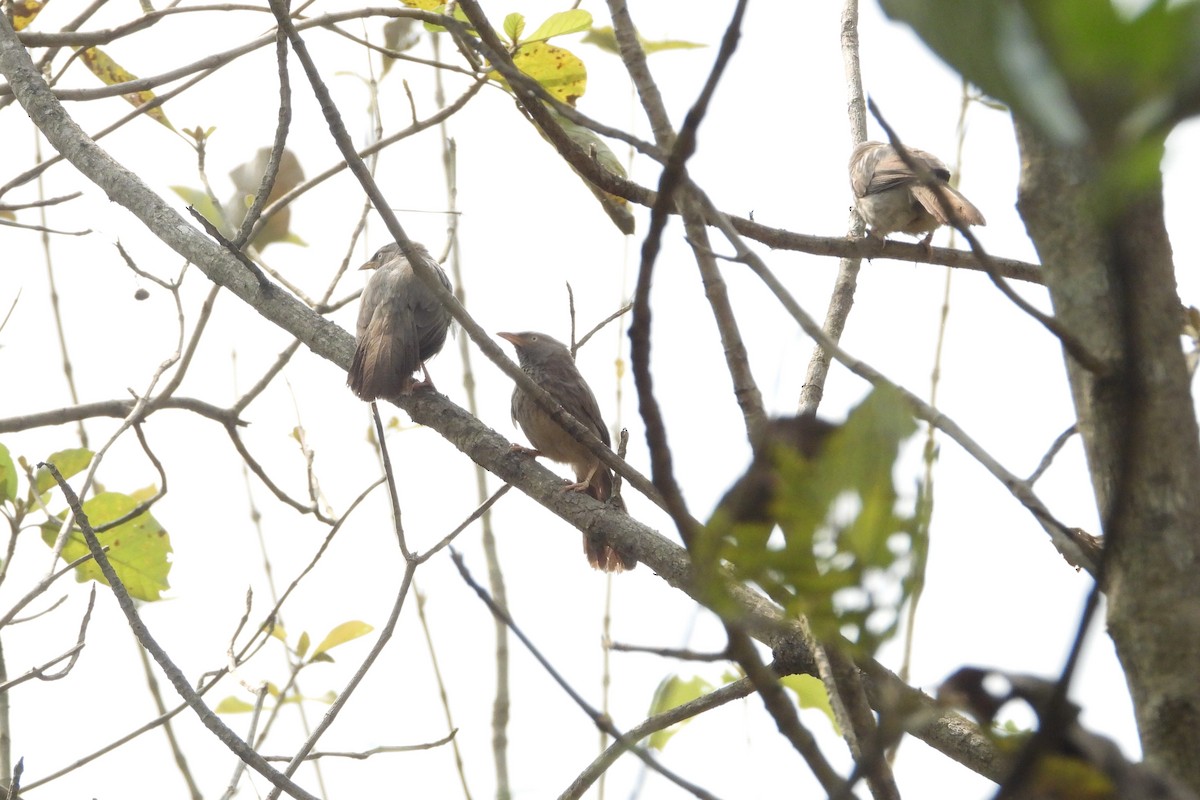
pixel 112 73
pixel 559 71
pixel 23 12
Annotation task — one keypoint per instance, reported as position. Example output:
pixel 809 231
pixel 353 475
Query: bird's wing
pixel 566 385
pixel 883 169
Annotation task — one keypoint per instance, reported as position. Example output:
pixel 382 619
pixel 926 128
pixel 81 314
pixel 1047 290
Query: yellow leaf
pixel 23 12
pixel 113 73
pixel 341 634
pixel 424 5
pixel 232 705
pixel 559 71
pixel 145 493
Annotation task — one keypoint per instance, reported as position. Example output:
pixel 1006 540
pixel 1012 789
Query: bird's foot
pixel 528 451
pixel 582 486
pixel 411 384
pixel 927 245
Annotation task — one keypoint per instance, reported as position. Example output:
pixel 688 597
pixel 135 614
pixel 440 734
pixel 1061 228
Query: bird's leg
pixel 927 244
pixel 582 485
pixel 412 385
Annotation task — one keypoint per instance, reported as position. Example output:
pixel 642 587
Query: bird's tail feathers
pixel 966 211
pixel 382 365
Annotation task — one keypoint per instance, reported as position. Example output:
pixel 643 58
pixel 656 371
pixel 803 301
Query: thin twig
pixel 445 698
pixel 841 299
pixel 374 751
pixel 669 652
pixel 70 656
pixel 118 409
pixel 1059 443
pixel 600 720
pixel 177 678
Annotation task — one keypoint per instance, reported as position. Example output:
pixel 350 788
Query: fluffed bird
pixel 549 363
pixel 891 197
pixel 401 325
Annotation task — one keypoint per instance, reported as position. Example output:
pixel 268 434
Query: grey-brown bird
pixel 401 325
pixel 891 197
pixel 549 363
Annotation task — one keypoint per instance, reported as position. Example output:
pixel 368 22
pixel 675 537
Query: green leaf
pixel 1078 69
pixel 514 26
pixel 846 556
pixel 560 24
pixel 68 462
pixel 139 549
pixel 811 693
pixel 439 7
pixel 347 631
pixel 233 705
pixel 616 207
pixel 203 204
pixel 590 143
pixel 604 38
pixel 8 476
pixel 302 646
pixel 674 691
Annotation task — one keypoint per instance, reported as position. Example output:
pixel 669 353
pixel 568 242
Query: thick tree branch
pixel 1113 285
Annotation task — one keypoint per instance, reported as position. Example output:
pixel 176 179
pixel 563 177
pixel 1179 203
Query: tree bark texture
pixel 1109 269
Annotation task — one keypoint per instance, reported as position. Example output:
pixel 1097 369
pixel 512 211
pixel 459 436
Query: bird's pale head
pixel 391 251
pixel 535 348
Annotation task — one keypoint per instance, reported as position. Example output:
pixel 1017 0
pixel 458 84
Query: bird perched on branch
pixel 401 325
pixel 549 363
pixel 892 197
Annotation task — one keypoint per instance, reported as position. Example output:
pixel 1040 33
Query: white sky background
pixel 775 143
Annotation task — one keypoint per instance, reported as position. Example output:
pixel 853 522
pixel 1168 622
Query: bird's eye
pixel 533 338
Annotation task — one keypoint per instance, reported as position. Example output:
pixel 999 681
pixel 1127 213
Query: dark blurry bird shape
pixel 752 497
pixel 401 325
pixel 891 197
pixel 549 363
pixel 1071 762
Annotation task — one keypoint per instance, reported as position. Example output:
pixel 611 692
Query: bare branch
pixel 601 721
pixel 177 678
